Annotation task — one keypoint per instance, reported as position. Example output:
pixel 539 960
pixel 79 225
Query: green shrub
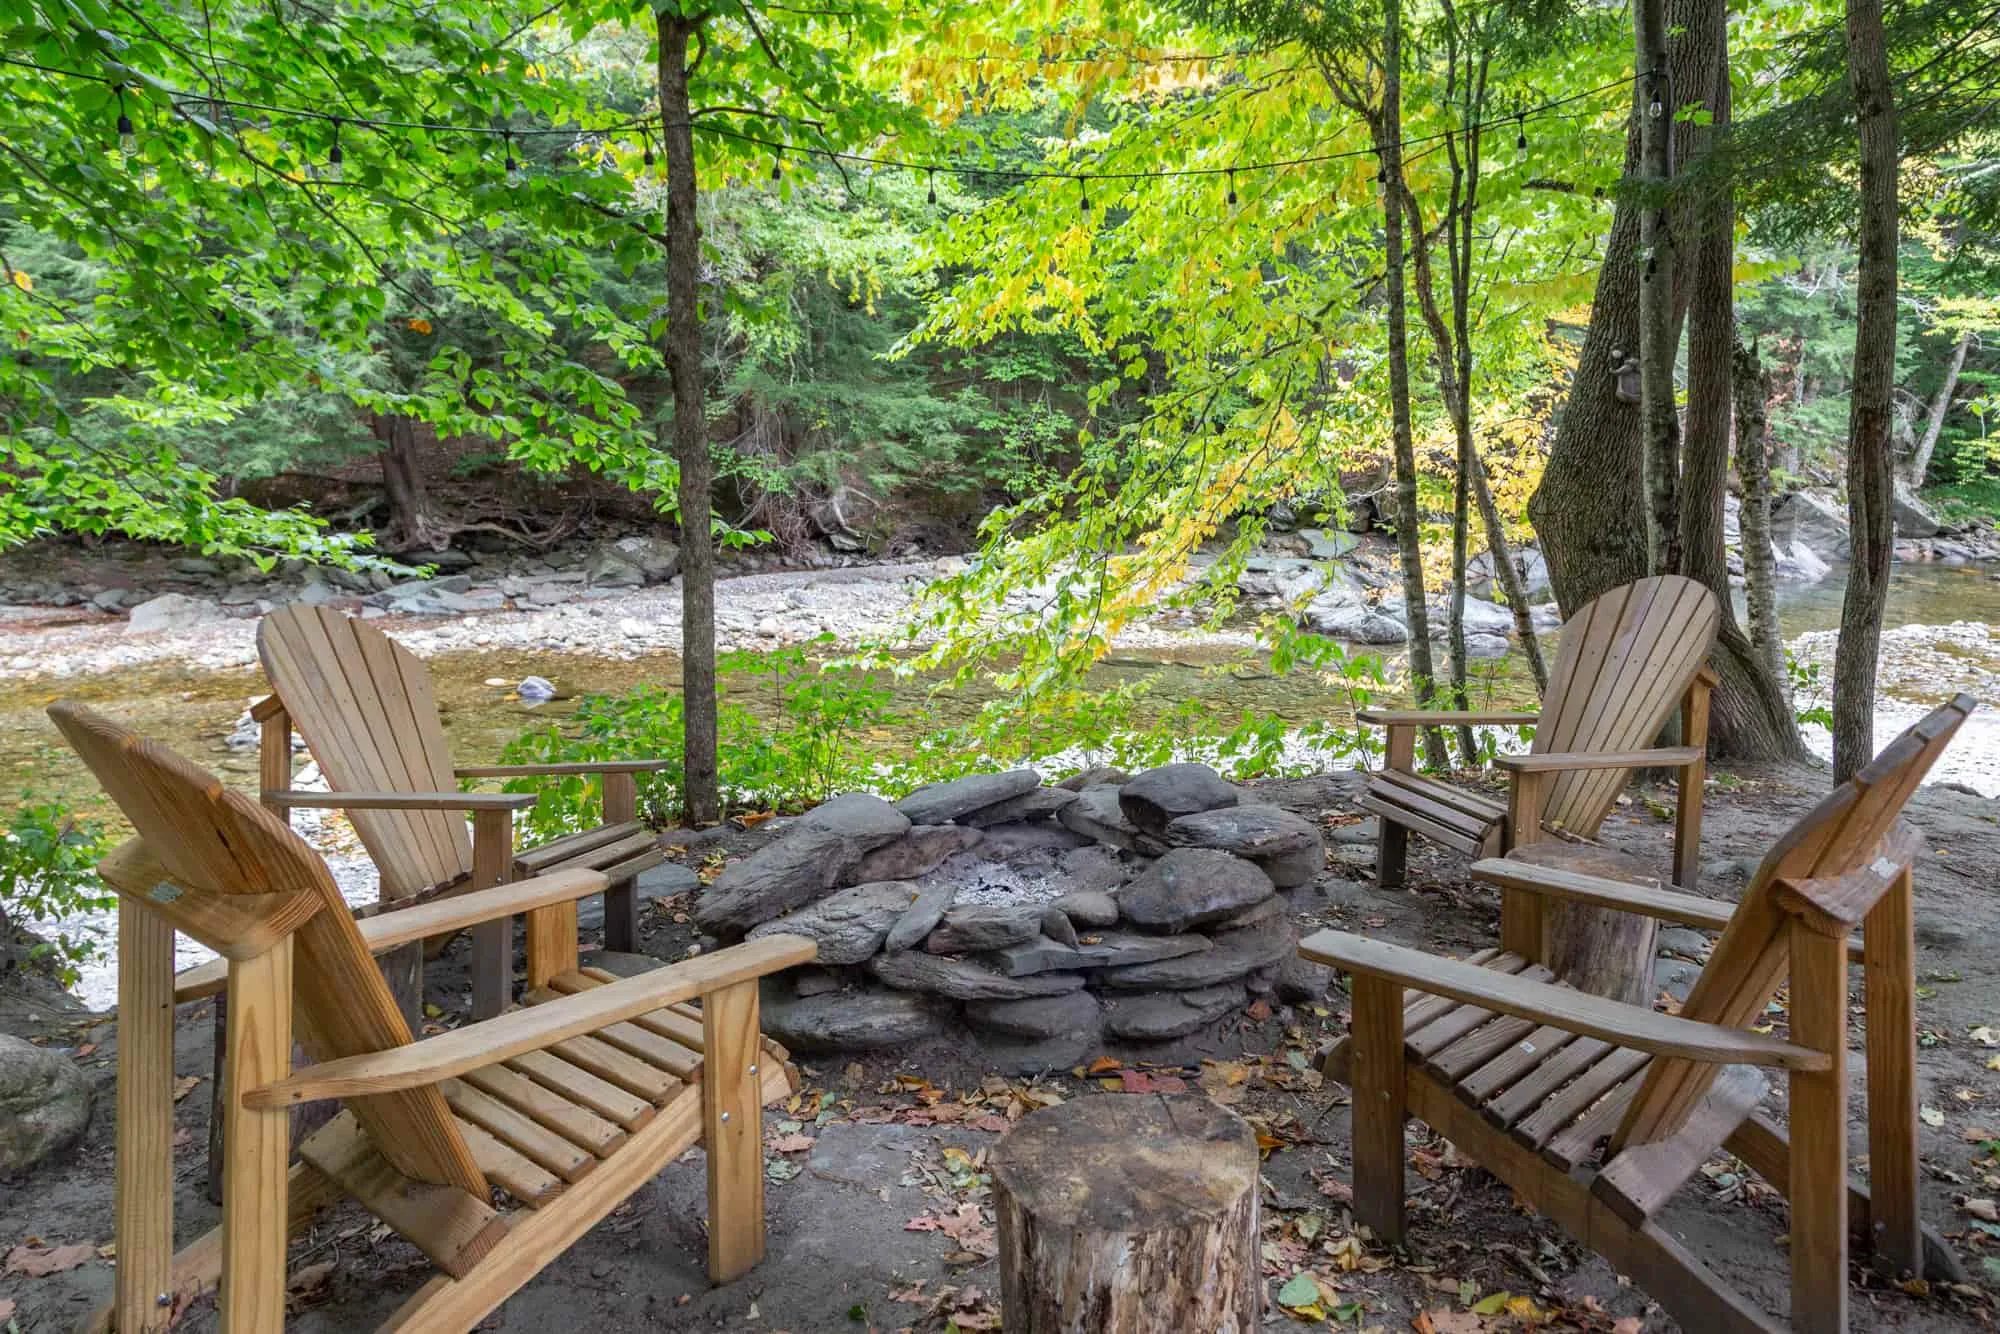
pixel 48 873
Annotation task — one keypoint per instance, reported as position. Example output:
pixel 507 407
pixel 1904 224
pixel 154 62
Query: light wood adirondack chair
pixel 365 707
pixel 1624 662
pixel 567 1106
pixel 1529 1078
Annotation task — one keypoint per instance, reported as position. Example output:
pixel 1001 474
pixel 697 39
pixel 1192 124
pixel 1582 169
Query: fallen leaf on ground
pixel 792 1143
pixel 1931 1116
pixel 37 1261
pixel 185 1085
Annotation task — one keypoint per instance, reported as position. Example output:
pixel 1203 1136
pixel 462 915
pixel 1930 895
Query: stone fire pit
pixel 1049 919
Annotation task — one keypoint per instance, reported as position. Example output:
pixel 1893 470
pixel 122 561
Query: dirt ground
pixel 877 1193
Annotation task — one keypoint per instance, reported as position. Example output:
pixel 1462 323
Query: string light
pixel 333 157
pixel 1083 193
pixel 1520 131
pixel 1232 187
pixel 513 168
pixel 647 157
pixel 930 189
pixel 777 165
pixel 128 140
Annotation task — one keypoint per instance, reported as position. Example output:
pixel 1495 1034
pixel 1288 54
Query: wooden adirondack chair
pixel 1529 1078
pixel 1624 662
pixel 567 1106
pixel 365 707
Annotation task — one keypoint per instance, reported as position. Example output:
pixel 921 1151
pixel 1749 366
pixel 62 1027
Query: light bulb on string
pixel 128 139
pixel 513 168
pixel 647 156
pixel 1232 187
pixel 1083 194
pixel 930 190
pixel 1520 131
pixel 777 165
pixel 333 170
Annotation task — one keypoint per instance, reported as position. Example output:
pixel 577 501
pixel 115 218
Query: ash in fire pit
pixel 1048 919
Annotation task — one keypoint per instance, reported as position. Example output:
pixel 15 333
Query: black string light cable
pixel 778 147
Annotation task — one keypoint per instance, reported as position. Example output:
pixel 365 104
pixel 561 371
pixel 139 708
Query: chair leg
pixel 1377 1084
pixel 1890 986
pixel 621 901
pixel 1392 853
pixel 732 1115
pixel 492 942
pixel 145 1157
pixel 1818 1187
pixel 258 1142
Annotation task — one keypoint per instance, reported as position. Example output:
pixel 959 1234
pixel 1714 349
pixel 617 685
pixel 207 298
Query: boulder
pixel 172 611
pixel 1291 869
pixel 974 927
pixel 1813 519
pixel 1105 949
pixel 1259 912
pixel 1191 886
pixel 920 850
pixel 634 561
pixel 1159 796
pixel 1353 621
pixel 1041 803
pixel 942 803
pixel 1301 980
pixel 921 918
pixel 1912 519
pixel 44 1104
pixel 1328 545
pixel 1057 926
pixel 860 1020
pixel 1094 868
pixel 1038 1017
pixel 1096 775
pixel 963 979
pixel 1030 1057
pixel 1234 955
pixel 850 926
pixel 802 863
pixel 1534 568
pixel 1254 830
pixel 1171 1014
pixel 1088 907
pixel 1097 814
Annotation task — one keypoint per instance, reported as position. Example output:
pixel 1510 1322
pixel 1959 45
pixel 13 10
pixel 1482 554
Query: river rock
pixel 633 561
pixel 1171 1014
pixel 1088 907
pixel 1191 886
pixel 1158 796
pixel 1328 545
pixel 817 853
pixel 1105 949
pixel 1039 1056
pixel 974 927
pixel 920 850
pixel 1040 803
pixel 1097 775
pixel 172 611
pixel 1255 830
pixel 44 1104
pixel 1815 520
pixel 1352 620
pixel 1301 980
pixel 1233 955
pixel 850 926
pixel 1911 518
pixel 921 918
pixel 1038 1017
pixel 941 803
pixel 1057 926
pixel 1534 568
pixel 963 979
pixel 859 1020
pixel 1293 869
pixel 1261 911
pixel 1096 814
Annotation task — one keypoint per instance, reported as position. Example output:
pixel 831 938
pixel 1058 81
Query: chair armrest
pixel 533 1028
pixel 1659 757
pixel 1560 1007
pixel 554 770
pixel 1447 717
pixel 387 930
pixel 403 801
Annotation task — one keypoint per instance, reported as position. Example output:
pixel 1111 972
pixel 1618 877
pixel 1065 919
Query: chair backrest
pixel 206 840
pixel 1858 823
pixel 1622 665
pixel 364 705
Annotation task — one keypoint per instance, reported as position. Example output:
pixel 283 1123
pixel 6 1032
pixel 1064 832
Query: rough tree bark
pixel 1871 410
pixel 690 424
pixel 410 527
pixel 1659 428
pixel 1911 475
pixel 1751 387
pixel 1752 716
pixel 1461 524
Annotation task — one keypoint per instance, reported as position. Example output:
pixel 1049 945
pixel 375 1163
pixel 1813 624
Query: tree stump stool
pixel 1133 1213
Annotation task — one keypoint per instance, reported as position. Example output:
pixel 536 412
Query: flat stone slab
pixel 1088 907
pixel 972 927
pixel 860 1020
pixel 921 918
pixel 1252 829
pixel 1096 814
pixel 942 803
pixel 851 925
pixel 963 979
pixel 920 850
pixel 1191 886
pixel 1235 955
pixel 1157 797
pixel 1039 1017
pixel 1171 1014
pixel 1261 911
pixel 1094 868
pixel 1289 870
pixel 1098 949
pixel 1040 803
pixel 799 865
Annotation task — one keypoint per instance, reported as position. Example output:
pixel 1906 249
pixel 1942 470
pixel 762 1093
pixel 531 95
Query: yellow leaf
pixel 422 326
pixel 22 281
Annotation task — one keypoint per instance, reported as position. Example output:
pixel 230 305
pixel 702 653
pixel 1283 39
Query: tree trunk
pixel 1461 523
pixel 1130 1213
pixel 410 527
pixel 1751 389
pixel 690 426
pixel 1919 462
pixel 1388 145
pixel 1658 425
pixel 1509 575
pixel 1871 411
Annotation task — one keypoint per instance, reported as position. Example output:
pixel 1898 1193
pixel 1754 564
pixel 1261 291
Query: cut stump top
pixel 1137 1162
